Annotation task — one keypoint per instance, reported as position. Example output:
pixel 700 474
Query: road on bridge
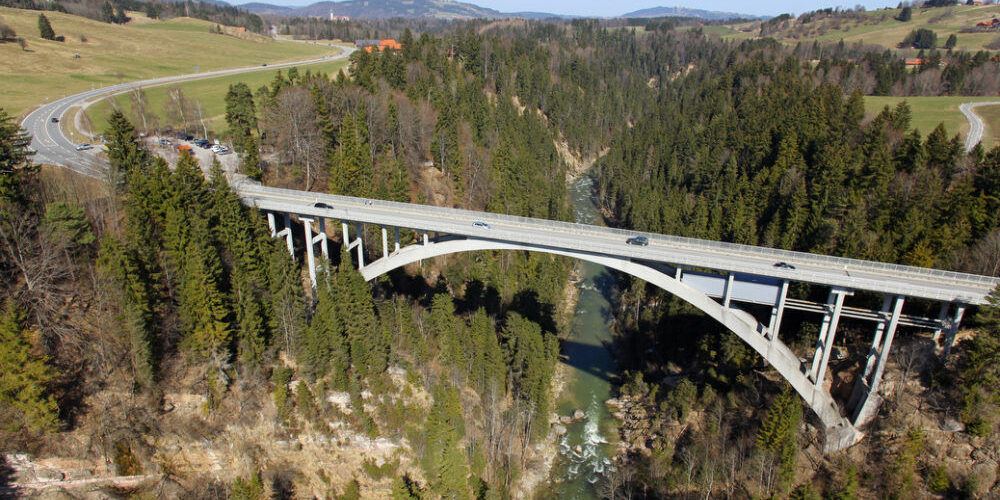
pixel 688 252
pixel 54 148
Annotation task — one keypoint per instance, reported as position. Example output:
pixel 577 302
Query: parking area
pixel 169 146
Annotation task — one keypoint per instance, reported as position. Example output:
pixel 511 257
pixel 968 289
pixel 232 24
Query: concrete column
pixel 777 312
pixel 873 353
pixel 942 319
pixel 728 292
pixel 346 233
pixel 395 231
pixel 678 273
pixel 425 239
pixel 361 245
pixel 953 328
pixel 324 247
pixel 288 234
pixel 827 334
pixel 883 354
pixel 270 224
pixel 385 243
pixel 310 256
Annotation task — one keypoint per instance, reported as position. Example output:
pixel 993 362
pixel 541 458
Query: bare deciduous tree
pixel 290 127
pixel 140 108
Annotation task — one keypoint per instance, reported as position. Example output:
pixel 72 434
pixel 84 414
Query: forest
pixel 157 282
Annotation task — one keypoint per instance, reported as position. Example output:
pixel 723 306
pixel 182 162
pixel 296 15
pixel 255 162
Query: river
pixel 584 451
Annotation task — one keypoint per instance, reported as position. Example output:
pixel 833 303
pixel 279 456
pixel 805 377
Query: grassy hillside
pixel 928 112
pixel 112 53
pixel 210 93
pixel 879 27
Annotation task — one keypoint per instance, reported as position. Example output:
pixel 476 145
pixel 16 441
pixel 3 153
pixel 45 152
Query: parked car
pixel 220 149
pixel 165 142
pixel 83 147
pixel 638 241
pixel 480 224
pixel 184 137
pixel 54 120
pixel 784 265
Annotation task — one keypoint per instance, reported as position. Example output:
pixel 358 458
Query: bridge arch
pixel 840 433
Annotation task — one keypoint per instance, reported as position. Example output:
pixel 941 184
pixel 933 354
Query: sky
pixel 604 8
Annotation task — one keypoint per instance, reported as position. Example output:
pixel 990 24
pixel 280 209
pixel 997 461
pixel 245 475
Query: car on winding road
pixel 84 146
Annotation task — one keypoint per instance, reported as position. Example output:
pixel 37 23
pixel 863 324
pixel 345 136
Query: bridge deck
pixel 825 270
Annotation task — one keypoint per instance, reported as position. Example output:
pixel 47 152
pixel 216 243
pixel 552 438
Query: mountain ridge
pixel 448 9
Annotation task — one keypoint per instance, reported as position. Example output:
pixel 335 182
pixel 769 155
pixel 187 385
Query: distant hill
pixel 875 27
pixel 266 8
pixel 384 9
pixel 685 12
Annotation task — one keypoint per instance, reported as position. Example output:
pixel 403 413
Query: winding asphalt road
pixel 976 125
pixel 54 148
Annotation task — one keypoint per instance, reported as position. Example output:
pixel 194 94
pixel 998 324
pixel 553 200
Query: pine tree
pixel 24 376
pixel 16 169
pixel 45 29
pixel 122 266
pixel 530 355
pixel 125 153
pixel 444 461
pixel 777 434
pixel 445 326
pixel 324 347
pixel 241 117
pixel 352 294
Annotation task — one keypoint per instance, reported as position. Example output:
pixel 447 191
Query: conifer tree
pixel 444 461
pixel 16 168
pixel 122 265
pixel 24 397
pixel 777 434
pixel 241 116
pixel 44 28
pixel 530 355
pixel 125 153
pixel 368 353
pixel 445 326
pixel 324 347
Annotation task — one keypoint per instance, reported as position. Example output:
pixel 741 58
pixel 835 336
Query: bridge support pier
pixel 777 311
pixel 952 329
pixel 827 334
pixel 864 398
pixel 286 232
pixel 311 244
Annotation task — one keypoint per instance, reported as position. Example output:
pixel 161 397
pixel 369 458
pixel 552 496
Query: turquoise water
pixel 584 451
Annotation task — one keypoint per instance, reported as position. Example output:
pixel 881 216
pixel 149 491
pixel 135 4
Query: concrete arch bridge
pixel 741 275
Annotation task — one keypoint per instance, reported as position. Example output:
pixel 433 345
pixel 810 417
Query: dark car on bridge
pixel 320 204
pixel 784 265
pixel 638 241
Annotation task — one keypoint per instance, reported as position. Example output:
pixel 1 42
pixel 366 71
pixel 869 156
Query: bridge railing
pixel 775 254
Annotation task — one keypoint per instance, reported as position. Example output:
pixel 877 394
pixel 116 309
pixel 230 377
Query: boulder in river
pixel 578 415
pixel 559 430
